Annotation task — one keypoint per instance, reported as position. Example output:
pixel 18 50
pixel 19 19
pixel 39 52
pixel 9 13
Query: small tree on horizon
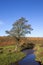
pixel 20 29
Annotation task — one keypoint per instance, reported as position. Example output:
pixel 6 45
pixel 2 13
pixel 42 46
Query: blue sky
pixel 32 10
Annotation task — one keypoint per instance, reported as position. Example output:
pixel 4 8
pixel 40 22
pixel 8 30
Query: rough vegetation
pixel 8 55
pixel 6 40
pixel 39 53
pixel 7 46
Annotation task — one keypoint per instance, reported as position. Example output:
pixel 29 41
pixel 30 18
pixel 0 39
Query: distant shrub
pixel 1 50
pixel 27 46
pixel 10 51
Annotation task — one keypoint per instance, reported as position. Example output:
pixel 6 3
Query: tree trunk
pixel 17 45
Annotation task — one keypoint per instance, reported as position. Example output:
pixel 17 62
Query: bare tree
pixel 20 29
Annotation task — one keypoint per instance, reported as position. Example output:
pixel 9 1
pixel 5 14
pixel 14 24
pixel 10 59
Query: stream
pixel 28 60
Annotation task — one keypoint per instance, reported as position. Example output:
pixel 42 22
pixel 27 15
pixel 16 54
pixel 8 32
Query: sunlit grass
pixel 39 52
pixel 9 55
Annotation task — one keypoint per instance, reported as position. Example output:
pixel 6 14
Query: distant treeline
pixel 6 40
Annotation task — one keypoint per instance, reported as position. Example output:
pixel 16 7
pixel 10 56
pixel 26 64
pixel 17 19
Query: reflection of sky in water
pixel 28 60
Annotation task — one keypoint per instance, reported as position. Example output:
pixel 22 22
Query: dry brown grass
pixel 10 40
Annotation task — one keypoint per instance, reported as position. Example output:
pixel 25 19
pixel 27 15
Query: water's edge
pixel 29 59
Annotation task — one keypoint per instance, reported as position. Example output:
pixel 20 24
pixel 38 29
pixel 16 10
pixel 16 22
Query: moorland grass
pixel 39 52
pixel 9 56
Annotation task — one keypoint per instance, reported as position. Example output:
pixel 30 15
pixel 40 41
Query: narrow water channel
pixel 29 59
